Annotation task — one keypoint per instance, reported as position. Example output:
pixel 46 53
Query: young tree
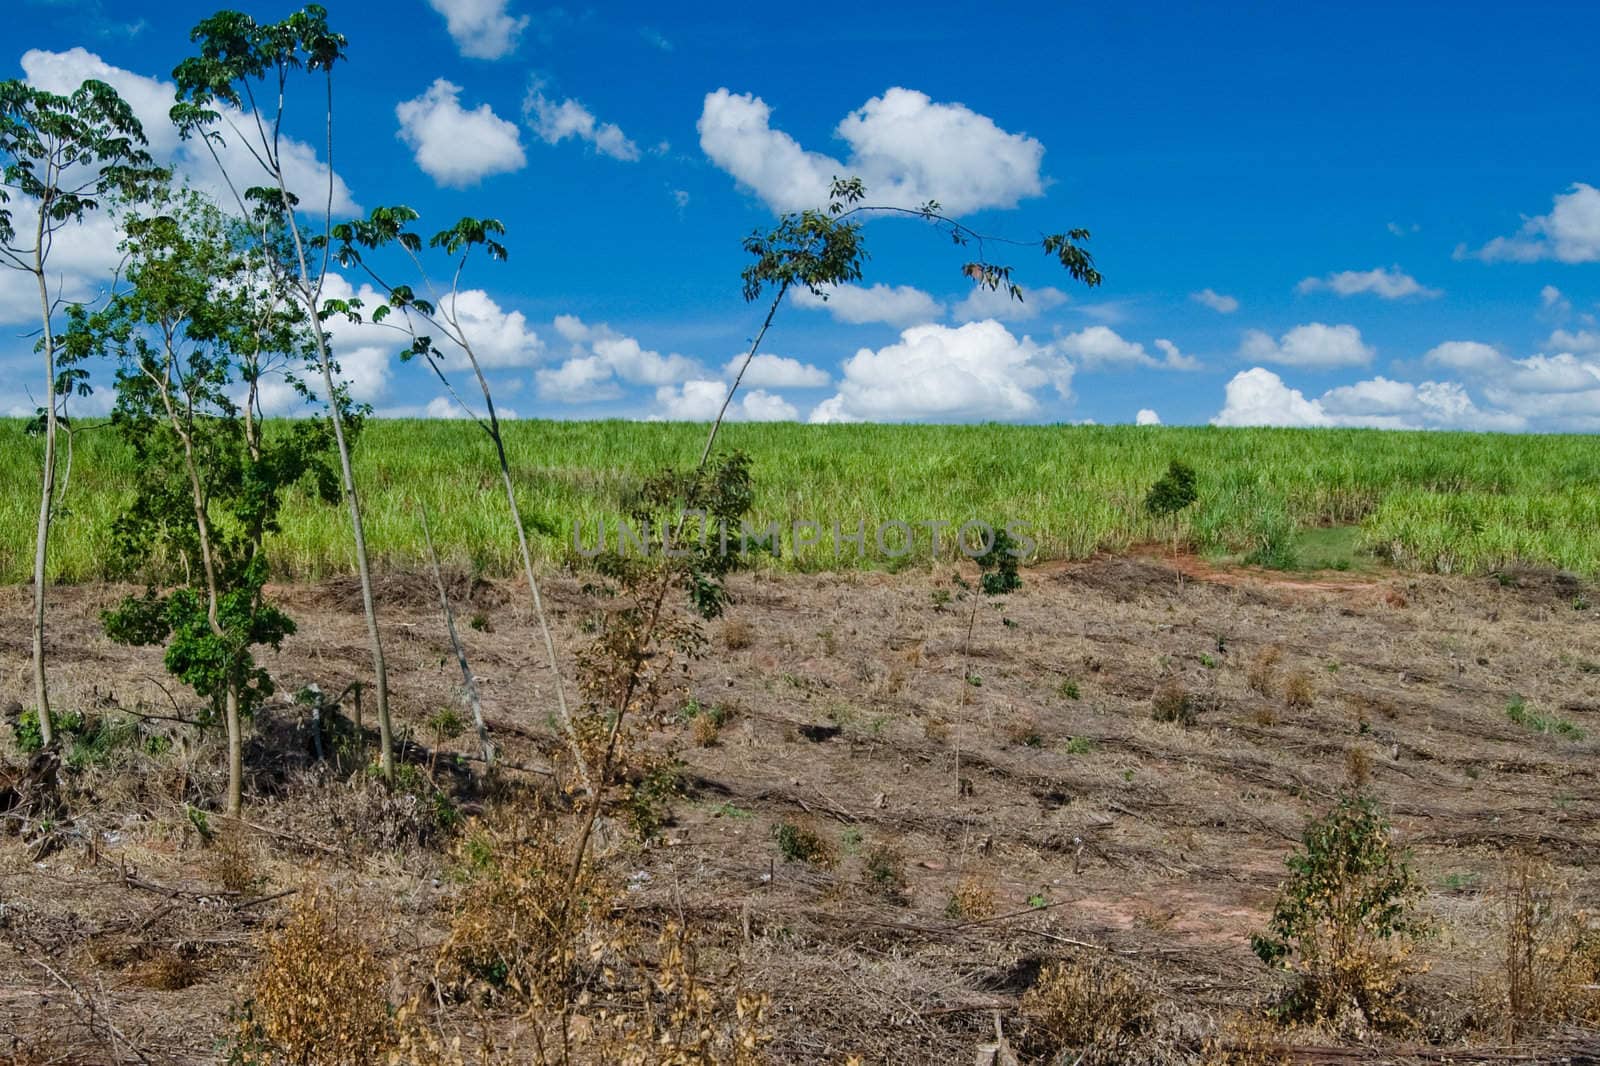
pixel 438 311
pixel 188 328
pixel 61 156
pixel 242 64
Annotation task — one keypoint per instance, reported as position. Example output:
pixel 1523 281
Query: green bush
pixel 1346 918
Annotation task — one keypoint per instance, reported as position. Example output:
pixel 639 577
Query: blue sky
pixel 1305 214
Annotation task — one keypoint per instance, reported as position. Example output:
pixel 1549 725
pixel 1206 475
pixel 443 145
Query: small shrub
pixel 229 864
pixel 1025 732
pixel 1091 1011
pixel 1345 919
pixel 1078 746
pixel 885 868
pixel 737 634
pixel 1551 960
pixel 480 622
pixel 1298 691
pixel 1068 690
pixel 317 994
pixel 1357 767
pixel 1173 703
pixel 516 930
pixel 973 900
pixel 1263 670
pixel 801 843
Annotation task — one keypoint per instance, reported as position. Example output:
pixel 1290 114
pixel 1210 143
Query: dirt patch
pixel 1027 759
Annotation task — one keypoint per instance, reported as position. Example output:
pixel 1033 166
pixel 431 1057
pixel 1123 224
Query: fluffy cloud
pixel 481 28
pixel 1570 233
pixel 897 305
pixel 499 338
pixel 907 148
pixel 453 146
pixel 984 302
pixel 938 373
pixel 601 360
pixel 1218 302
pixel 1390 284
pixel 778 372
pixel 1146 417
pixel 152 98
pixel 700 400
pixel 1100 347
pixel 1553 303
pixel 1583 340
pixel 1463 355
pixel 555 122
pixel 1312 345
pixel 1258 397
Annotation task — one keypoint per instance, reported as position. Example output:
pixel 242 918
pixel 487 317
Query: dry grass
pixel 1092 1011
pixel 1299 693
pixel 318 994
pixel 1264 670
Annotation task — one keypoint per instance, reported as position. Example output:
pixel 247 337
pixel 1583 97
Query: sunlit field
pixel 1444 502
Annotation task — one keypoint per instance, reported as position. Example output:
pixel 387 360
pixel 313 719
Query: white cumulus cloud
pixel 601 360
pixel 1101 347
pixel 1219 302
pixel 894 305
pixel 1146 417
pixel 456 147
pixel 938 373
pixel 1313 345
pixel 907 148
pixel 555 121
pixel 778 372
pixel 481 28
pixel 700 400
pixel 984 302
pixel 1570 233
pixel 1390 284
pixel 1258 397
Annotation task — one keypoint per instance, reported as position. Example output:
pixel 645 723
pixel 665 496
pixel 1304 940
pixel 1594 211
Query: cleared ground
pixel 856 705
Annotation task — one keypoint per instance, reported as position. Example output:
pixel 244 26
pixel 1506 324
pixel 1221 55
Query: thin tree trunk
pixel 470 682
pixel 324 358
pixel 41 688
pixel 235 752
pixel 711 438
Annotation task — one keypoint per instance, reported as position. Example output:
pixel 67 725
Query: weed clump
pixel 1264 670
pixel 801 843
pixel 1345 920
pixel 1551 959
pixel 885 867
pixel 1298 691
pixel 317 995
pixel 1173 703
pixel 1092 1012
pixel 973 900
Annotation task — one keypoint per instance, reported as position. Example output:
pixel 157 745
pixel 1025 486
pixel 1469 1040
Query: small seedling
pixel 1068 689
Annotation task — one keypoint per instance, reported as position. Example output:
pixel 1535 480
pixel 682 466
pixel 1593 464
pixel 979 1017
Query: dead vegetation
pixel 786 870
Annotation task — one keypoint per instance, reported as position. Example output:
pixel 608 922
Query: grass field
pixel 1447 502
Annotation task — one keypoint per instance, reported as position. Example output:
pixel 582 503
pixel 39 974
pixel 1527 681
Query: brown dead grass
pixel 1160 846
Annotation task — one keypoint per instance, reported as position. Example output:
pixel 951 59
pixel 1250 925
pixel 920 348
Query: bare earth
pixel 1160 843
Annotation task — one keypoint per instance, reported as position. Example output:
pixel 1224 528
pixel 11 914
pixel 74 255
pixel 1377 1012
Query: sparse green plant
pixel 1068 689
pixel 1346 918
pixel 798 842
pixel 1078 746
pixel 885 868
pixel 1518 711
